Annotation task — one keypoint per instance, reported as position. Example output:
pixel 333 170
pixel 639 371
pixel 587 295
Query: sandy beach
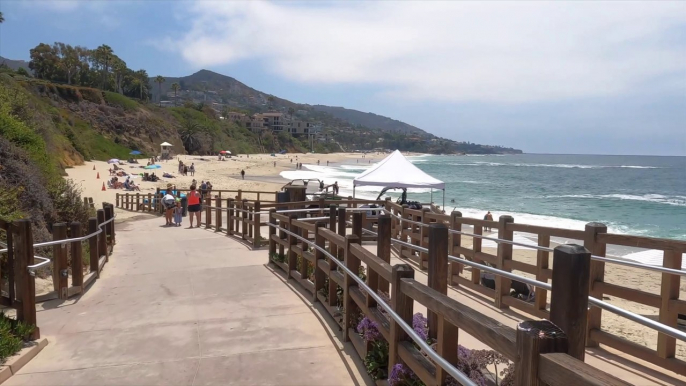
pixel 261 173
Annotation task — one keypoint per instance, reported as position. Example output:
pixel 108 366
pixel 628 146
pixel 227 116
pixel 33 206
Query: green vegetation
pixel 122 101
pixel 13 334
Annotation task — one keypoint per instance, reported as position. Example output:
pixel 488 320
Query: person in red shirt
pixel 194 206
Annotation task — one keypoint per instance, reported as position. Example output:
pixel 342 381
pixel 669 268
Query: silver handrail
pixel 439 360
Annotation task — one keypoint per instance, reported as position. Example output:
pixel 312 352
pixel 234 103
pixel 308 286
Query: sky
pixel 576 77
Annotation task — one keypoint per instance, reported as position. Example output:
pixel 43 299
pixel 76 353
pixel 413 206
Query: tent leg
pixel 444 200
pixel 353 191
pixel 432 195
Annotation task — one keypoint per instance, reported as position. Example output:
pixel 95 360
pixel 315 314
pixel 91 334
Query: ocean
pixel 638 195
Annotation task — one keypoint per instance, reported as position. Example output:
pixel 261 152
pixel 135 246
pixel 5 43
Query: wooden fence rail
pixel 67 257
pixel 536 359
pixel 595 238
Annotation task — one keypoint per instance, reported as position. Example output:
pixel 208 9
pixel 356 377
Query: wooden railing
pixel 312 253
pixel 68 239
pixel 595 238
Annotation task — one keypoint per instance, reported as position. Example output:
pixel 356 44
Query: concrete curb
pixel 16 362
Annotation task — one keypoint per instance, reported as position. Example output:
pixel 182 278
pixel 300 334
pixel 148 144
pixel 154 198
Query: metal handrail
pixel 74 239
pixel 34 267
pixel 439 360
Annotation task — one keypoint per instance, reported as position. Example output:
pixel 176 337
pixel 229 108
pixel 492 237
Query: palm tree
pixel 104 55
pixel 291 111
pixel 270 99
pixel 1 18
pixel 141 81
pixel 159 79
pixel 175 86
pixel 189 135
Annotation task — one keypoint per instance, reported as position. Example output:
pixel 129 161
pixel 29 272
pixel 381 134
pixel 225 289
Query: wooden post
pixel 93 246
pixel 403 306
pixel 476 247
pixel 257 219
pixel 102 237
pixel 319 274
pixel 149 202
pixel 244 218
pixel 272 232
pixel 358 219
pixel 353 264
pixel 109 214
pixel 438 267
pixel 569 297
pixel 542 262
pixel 533 339
pixel 383 246
pixel 25 281
pixel 332 218
pixel 597 274
pixel 239 197
pixel 128 202
pixel 454 240
pixel 666 345
pixel 424 240
pixel 138 202
pixel 60 265
pixel 229 216
pixel 342 225
pixel 292 256
pixel 502 284
pixel 218 214
pixel 116 200
pixel 208 211
pixel 403 227
pixel 76 255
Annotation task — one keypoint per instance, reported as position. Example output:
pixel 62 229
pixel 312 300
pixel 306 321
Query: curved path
pixel 178 306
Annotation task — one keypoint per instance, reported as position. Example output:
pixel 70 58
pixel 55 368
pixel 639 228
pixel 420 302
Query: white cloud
pixel 451 51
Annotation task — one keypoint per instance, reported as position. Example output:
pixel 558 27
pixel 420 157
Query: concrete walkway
pixel 177 306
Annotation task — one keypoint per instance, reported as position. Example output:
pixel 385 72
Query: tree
pixel 175 87
pixel 189 135
pixel 22 71
pixel 69 59
pixel 141 81
pixel 119 68
pixel 1 18
pixel 291 111
pixel 270 99
pixel 104 56
pixel 45 63
pixel 159 79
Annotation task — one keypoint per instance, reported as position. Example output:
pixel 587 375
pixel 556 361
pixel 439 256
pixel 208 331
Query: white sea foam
pixel 564 166
pixel 655 198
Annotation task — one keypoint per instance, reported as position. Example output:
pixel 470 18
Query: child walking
pixel 178 213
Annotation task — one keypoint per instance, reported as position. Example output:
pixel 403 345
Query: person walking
pixel 192 169
pixel 488 217
pixel 203 190
pixel 194 206
pixel 242 174
pixel 168 201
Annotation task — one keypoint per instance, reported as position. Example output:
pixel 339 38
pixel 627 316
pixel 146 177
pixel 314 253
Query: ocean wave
pixel 654 198
pixel 565 166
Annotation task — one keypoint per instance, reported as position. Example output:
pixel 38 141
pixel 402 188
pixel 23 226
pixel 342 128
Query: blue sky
pixel 545 77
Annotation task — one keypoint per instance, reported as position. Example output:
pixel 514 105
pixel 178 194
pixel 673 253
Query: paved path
pixel 177 306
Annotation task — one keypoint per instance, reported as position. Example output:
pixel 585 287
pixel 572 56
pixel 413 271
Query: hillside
pixel 346 128
pixel 370 120
pixel 15 64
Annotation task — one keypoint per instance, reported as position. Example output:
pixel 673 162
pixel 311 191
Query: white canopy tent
pixel 397 172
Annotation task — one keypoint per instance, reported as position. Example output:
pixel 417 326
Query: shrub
pixel 13 334
pixel 115 99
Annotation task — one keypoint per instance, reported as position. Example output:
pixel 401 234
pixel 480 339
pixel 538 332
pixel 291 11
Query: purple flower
pixel 463 353
pixel 369 330
pixel 402 376
pixel 420 326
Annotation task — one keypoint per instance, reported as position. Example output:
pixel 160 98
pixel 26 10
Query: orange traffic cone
pixel 98 177
pixel 103 187
pixel 93 167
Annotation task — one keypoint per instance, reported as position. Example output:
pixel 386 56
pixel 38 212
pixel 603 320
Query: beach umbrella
pixel 113 161
pixel 153 167
pixel 227 152
pixel 222 152
pixel 135 152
